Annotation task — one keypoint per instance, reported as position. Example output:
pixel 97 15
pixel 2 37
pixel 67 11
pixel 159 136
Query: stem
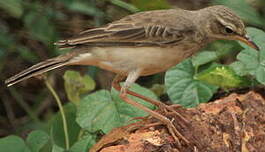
pixel 57 99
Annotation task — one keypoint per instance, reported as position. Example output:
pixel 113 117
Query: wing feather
pixel 131 30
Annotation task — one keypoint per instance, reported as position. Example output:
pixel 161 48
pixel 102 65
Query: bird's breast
pixel 150 60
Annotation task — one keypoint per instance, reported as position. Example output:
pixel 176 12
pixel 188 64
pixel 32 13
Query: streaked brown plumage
pixel 143 44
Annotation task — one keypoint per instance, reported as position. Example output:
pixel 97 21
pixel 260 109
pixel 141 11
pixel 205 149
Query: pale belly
pixel 148 60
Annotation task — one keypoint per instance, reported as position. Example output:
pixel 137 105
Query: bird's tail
pixel 39 68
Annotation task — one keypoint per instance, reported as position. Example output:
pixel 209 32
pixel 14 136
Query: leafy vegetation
pixel 93 110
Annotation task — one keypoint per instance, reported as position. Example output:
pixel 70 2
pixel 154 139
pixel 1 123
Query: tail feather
pixel 38 69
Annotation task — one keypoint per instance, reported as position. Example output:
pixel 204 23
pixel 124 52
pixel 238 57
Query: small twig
pixel 10 113
pixel 58 101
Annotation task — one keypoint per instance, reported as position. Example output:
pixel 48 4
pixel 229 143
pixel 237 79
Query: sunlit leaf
pixel 76 85
pixel 222 76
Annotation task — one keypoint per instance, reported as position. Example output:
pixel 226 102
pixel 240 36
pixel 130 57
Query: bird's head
pixel 225 24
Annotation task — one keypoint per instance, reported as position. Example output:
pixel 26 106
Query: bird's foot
pixel 171 109
pixel 174 132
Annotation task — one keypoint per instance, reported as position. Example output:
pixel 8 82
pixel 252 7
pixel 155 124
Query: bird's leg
pixel 159 104
pixel 123 95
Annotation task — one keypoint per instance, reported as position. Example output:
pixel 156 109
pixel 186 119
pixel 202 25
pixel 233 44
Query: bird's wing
pixel 141 29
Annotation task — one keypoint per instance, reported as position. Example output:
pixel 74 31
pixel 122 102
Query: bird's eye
pixel 228 30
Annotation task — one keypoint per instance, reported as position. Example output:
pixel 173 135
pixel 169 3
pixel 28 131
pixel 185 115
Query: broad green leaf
pixel 13 144
pixel 239 68
pixel 57 131
pixel 145 5
pixel 83 144
pixel 249 58
pixel 126 111
pixel 219 49
pixel 252 60
pixel 203 58
pixel 56 148
pixel 103 110
pixel 183 89
pixel 222 76
pixel 13 7
pixel 36 140
pixel 244 10
pixel 97 111
pixel 260 74
pixel 76 85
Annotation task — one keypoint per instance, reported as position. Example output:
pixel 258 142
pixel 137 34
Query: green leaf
pixel 220 48
pixel 239 68
pixel 257 36
pixel 183 89
pixel 98 112
pixel 56 148
pixel 13 7
pixel 203 58
pixel 104 111
pixel 222 76
pixel 36 140
pixel 13 144
pixel 126 111
pixel 252 60
pixel 57 131
pixel 249 58
pixel 84 143
pixel 76 85
pixel 145 5
pixel 244 10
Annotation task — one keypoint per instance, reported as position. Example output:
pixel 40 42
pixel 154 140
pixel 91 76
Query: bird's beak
pixel 245 39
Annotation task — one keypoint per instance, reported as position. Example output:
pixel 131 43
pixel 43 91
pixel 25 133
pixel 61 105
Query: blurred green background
pixel 28 29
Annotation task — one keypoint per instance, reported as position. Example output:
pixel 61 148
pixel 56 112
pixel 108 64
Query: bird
pixel 142 44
